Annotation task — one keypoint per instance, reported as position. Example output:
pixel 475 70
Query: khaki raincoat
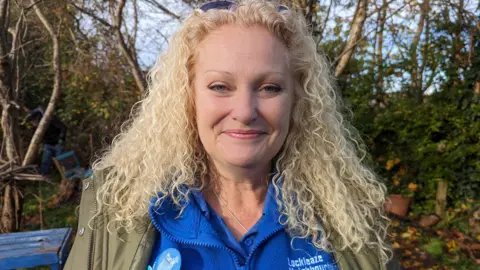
pixel 98 249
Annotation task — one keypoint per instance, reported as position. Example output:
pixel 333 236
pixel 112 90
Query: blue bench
pixel 69 166
pixel 30 249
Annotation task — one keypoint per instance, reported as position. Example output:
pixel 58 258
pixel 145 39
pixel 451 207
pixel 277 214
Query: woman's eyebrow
pixel 260 74
pixel 219 71
pixel 273 72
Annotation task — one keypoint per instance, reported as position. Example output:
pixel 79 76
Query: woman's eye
pixel 271 89
pixel 218 88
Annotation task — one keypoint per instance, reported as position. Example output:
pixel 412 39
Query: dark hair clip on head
pixel 228 5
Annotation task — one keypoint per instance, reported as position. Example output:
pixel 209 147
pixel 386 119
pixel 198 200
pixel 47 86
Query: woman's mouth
pixel 244 134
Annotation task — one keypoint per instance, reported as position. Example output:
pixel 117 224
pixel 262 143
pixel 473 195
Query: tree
pixel 125 41
pixel 57 88
pixel 9 95
pixel 11 199
pixel 379 56
pixel 353 37
pixel 416 71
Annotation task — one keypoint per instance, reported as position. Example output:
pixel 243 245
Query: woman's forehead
pixel 234 47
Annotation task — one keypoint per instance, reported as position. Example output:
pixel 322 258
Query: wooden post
pixel 65 189
pixel 441 201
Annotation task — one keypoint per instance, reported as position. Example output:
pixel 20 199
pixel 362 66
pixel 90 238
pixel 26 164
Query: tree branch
pixel 44 20
pixel 163 8
pixel 132 39
pixel 383 6
pixel 366 35
pixel 14 51
pixel 3 27
pixel 324 25
pixel 91 14
pixel 425 45
pixel 137 73
pixel 57 88
pixel 432 76
pixel 416 86
pixel 354 36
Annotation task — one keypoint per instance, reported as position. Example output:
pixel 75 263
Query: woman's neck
pixel 240 185
pixel 239 194
pixel 238 197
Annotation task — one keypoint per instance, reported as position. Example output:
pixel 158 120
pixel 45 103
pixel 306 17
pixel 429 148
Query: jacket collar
pixel 192 224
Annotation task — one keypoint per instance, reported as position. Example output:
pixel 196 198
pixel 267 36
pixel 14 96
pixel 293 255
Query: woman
pixel 238 158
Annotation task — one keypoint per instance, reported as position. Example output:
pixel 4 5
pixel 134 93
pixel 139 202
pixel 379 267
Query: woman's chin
pixel 244 157
pixel 243 161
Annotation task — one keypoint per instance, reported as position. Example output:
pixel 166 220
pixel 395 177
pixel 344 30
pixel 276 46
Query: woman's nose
pixel 245 106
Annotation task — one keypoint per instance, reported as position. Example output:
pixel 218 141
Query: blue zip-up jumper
pixel 201 241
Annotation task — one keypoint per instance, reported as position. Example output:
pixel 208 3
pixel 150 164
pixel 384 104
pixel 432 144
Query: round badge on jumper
pixel 169 259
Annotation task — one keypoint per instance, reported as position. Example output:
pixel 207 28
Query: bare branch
pixel 309 10
pixel 324 25
pixel 163 8
pixel 397 43
pixel 91 14
pixel 471 51
pixel 3 27
pixel 13 55
pixel 380 8
pixel 366 35
pixel 17 169
pixel 8 126
pixel 379 56
pixel 465 12
pixel 7 17
pixel 33 4
pixel 137 72
pixel 29 177
pixel 163 36
pixel 133 38
pixel 417 77
pixel 57 88
pixel 6 165
pixel 44 20
pixel 425 45
pixel 432 76
pixel 354 36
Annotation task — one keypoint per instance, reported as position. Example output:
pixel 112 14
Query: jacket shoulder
pixel 82 246
pixel 365 259
pixel 96 247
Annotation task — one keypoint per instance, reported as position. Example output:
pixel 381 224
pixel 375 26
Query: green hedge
pixel 413 146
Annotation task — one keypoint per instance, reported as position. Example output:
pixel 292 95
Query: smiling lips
pixel 244 134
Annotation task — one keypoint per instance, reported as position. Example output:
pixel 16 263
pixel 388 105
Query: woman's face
pixel 243 95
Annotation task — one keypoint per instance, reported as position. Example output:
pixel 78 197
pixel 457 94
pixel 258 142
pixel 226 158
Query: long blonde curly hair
pixel 324 187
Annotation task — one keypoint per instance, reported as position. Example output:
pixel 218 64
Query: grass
pixel 435 247
pixel 53 216
pixel 442 246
